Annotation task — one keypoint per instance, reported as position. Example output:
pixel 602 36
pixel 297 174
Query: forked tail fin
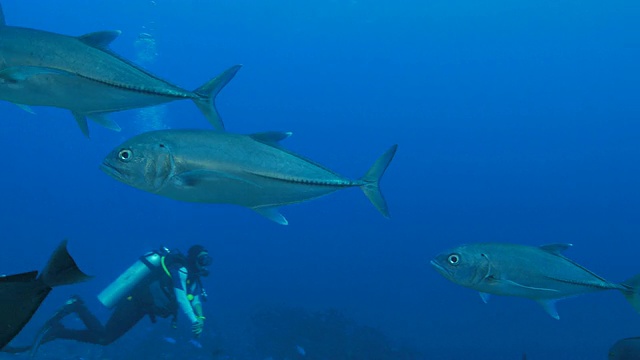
pixel 631 291
pixel 62 269
pixel 206 100
pixel 371 179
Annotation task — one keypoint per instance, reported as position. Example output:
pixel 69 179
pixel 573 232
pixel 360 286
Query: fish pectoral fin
pixel 16 74
pixel 550 307
pixel 485 297
pixel 513 283
pixel 271 213
pixel 271 137
pixel 26 108
pixel 196 177
pixel 100 39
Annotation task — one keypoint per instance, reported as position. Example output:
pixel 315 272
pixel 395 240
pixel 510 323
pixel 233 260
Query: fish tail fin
pixel 62 269
pixel 206 99
pixel 371 180
pixel 631 291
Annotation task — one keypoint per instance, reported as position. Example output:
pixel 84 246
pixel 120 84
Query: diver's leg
pixel 126 315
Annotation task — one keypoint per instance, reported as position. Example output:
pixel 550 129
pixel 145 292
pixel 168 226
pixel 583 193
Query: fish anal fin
pixel 550 307
pixel 271 137
pixel 100 39
pixel 271 213
pixel 556 249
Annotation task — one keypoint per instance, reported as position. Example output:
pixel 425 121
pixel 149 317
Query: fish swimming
pixel 625 349
pixel 81 74
pixel 253 171
pixel 22 294
pixel 540 273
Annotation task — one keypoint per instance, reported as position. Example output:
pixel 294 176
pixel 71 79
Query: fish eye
pixel 125 154
pixel 454 259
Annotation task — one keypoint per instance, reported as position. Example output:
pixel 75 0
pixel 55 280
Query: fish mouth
pixel 440 268
pixel 111 170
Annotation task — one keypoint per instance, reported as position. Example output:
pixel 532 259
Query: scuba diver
pixel 158 285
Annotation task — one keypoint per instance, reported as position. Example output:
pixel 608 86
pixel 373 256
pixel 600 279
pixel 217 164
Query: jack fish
pixel 82 75
pixel 540 273
pixel 247 170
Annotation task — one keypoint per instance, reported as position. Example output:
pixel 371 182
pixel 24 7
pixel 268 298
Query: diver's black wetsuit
pixel 124 317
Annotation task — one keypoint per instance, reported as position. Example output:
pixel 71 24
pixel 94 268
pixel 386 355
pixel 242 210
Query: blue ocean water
pixel 516 122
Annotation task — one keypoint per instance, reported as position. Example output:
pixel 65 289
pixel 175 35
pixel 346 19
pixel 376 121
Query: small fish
pixel 169 340
pixel 22 294
pixel 301 350
pixel 625 349
pixel 540 273
pixel 219 167
pixel 82 75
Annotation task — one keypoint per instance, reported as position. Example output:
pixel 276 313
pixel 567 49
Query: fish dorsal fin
pixel 556 249
pixel 271 137
pixel 100 39
pixel 2 22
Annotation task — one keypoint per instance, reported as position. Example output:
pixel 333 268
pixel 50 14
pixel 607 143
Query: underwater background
pixel 517 121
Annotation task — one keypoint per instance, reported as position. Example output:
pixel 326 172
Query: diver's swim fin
pixel 44 335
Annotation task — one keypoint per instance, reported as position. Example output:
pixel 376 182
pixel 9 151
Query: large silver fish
pixel 246 170
pixel 81 74
pixel 540 273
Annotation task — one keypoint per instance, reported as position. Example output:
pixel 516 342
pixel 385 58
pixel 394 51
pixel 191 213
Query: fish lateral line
pixel 336 183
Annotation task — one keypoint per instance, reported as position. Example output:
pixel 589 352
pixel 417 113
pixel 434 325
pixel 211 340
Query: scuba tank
pixel 133 276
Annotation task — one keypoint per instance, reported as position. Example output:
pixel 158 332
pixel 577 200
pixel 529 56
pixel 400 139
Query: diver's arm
pixel 179 286
pixel 197 306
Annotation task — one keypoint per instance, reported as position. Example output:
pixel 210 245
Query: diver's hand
pixel 197 326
